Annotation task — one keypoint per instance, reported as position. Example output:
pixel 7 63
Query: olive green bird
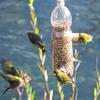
pixel 63 77
pixel 85 38
pixel 36 40
pixel 15 77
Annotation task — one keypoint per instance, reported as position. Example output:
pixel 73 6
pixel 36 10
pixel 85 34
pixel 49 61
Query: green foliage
pixel 41 55
pixel 51 95
pixel 61 93
pixel 29 92
pixel 31 2
pixel 33 17
pixel 27 88
pixel 14 98
pixel 97 88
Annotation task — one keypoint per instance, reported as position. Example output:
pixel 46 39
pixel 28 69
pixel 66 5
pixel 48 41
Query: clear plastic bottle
pixel 62 51
pixel 61 17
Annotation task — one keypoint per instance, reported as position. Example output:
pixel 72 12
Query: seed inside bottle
pixel 62 52
pixel 60 26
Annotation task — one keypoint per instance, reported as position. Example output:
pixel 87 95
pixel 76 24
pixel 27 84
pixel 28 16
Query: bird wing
pixel 65 78
pixel 17 72
pixel 36 40
pixel 8 68
pixel 9 77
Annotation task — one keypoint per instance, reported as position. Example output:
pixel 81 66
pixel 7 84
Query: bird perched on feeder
pixel 63 77
pixel 36 40
pixel 85 38
pixel 15 77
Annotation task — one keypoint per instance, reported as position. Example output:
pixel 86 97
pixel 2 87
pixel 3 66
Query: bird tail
pixel 2 74
pixel 5 76
pixel 7 89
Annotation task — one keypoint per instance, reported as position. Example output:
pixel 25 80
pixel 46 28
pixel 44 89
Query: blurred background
pixel 15 46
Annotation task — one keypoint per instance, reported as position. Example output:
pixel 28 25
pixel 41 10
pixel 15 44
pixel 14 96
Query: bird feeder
pixel 62 38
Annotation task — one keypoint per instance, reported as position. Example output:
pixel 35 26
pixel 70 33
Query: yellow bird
pixel 85 38
pixel 63 77
pixel 15 77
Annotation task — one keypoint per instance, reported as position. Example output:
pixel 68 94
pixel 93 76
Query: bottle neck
pixel 60 3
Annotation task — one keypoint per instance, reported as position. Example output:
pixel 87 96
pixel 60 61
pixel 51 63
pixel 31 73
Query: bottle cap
pixel 60 2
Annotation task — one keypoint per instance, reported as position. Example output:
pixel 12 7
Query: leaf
pixel 97 85
pixel 33 16
pixel 97 71
pixel 46 75
pixel 32 25
pixel 40 54
pixel 41 69
pixel 95 93
pixel 59 87
pixel 14 98
pixel 36 30
pixel 62 95
pixel 51 94
pixel 35 21
pixel 31 2
pixel 33 95
pixel 27 88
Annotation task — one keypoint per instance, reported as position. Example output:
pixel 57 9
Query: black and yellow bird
pixel 36 40
pixel 15 77
pixel 85 38
pixel 63 77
